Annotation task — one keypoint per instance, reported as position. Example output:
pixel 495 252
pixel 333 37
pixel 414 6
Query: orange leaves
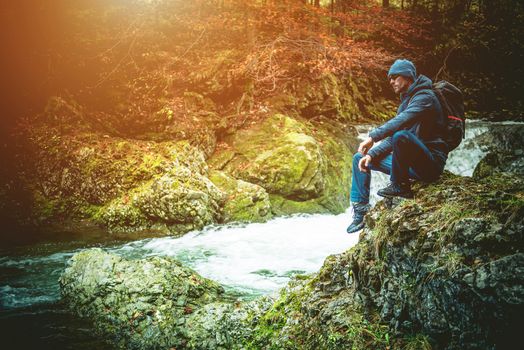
pixel 234 53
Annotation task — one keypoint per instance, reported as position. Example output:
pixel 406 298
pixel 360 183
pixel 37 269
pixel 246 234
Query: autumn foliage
pixel 140 67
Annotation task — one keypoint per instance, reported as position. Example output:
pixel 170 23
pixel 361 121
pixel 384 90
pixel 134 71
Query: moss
pixel 152 163
pixel 416 342
pixel 283 206
pixel 88 172
pixel 245 202
pixel 221 159
pixel 45 208
pixel 304 166
pixel 268 331
pixel 91 211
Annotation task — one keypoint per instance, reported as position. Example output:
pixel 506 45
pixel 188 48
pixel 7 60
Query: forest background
pixel 135 68
pixel 477 42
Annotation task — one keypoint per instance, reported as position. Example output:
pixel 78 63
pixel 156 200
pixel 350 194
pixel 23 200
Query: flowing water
pixel 248 260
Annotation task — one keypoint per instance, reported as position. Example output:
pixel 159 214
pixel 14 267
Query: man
pixel 411 147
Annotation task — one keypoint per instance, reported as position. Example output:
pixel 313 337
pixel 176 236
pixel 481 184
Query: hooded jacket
pixel 419 112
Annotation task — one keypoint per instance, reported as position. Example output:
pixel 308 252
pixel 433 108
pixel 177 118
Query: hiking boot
pixel 359 211
pixel 396 190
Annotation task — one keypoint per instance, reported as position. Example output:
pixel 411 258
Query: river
pixel 248 260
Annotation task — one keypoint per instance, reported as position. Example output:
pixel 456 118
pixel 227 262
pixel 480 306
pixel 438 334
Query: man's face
pixel 399 83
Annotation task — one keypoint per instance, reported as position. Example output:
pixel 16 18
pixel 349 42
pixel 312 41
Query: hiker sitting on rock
pixel 412 144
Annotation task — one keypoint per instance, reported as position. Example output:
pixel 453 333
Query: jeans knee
pixel 401 136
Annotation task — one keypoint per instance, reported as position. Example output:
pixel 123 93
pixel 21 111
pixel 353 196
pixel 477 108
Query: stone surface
pixel 176 202
pixel 302 166
pixel 443 270
pixel 141 304
pixel 282 165
pixel 245 202
pixel 504 145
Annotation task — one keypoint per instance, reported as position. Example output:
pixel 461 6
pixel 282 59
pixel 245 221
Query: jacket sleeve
pixel 418 104
pixel 383 148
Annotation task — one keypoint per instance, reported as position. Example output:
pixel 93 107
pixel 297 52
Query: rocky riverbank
pixel 282 165
pixel 443 270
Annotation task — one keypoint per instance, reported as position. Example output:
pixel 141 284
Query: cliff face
pixel 444 270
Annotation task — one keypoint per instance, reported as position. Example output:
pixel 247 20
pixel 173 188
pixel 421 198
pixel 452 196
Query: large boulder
pixel 177 202
pixel 280 166
pixel 137 304
pixel 281 157
pixel 499 162
pixel 302 166
pixel 504 145
pixel 442 270
pixel 246 202
pixel 122 183
pixel 490 147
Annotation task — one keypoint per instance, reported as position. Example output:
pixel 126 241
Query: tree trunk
pixel 385 4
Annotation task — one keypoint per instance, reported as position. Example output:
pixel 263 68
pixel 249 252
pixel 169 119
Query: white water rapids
pixel 256 258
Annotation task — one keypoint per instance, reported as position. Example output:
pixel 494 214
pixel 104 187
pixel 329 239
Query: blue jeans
pixel 410 159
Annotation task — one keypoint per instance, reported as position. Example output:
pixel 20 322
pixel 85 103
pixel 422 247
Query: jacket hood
pixel 421 83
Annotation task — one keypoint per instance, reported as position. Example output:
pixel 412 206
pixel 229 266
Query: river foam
pixel 256 258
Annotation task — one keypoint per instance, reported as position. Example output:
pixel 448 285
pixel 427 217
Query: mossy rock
pixel 175 203
pixel 495 162
pixel 434 271
pixel 138 304
pixel 246 202
pixel 91 177
pixel 303 166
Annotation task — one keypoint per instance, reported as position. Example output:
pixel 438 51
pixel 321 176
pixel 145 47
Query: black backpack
pixel 452 102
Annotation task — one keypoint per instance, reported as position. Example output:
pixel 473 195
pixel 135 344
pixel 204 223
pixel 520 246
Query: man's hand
pixel 363 164
pixel 365 146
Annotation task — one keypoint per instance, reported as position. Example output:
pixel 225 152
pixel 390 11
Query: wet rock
pixel 505 149
pixel 142 304
pixel 494 163
pixel 504 139
pixel 246 202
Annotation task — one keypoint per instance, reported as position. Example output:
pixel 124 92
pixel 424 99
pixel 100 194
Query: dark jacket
pixel 419 112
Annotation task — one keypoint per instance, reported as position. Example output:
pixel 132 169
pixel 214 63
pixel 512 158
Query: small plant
pixel 417 342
